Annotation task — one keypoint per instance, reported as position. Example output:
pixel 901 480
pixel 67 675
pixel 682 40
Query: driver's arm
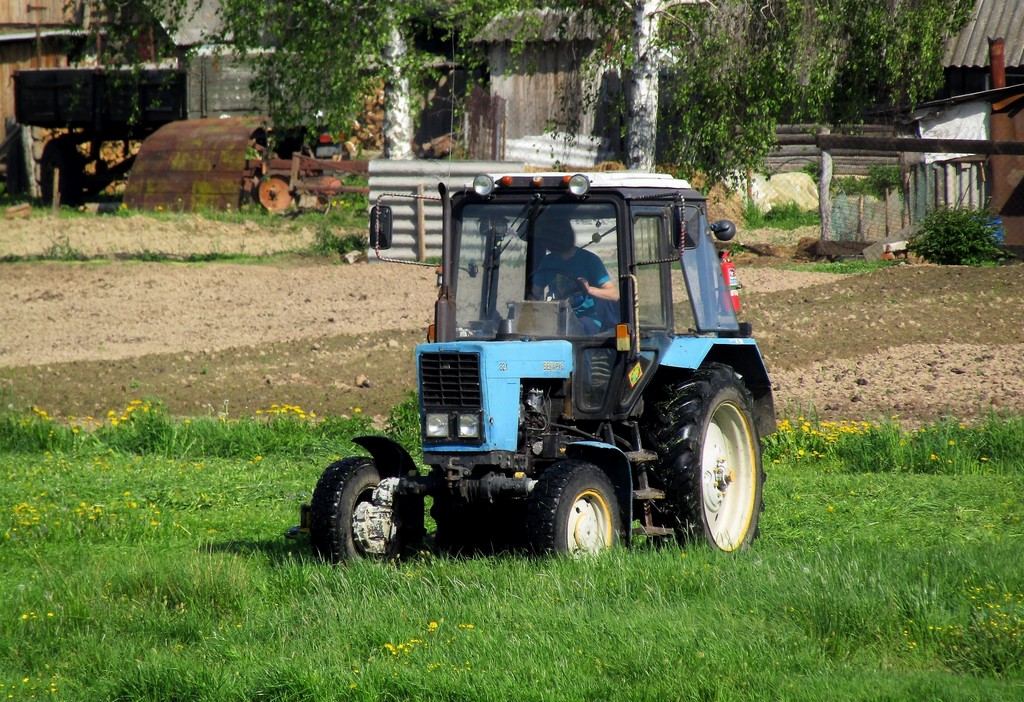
pixel 605 291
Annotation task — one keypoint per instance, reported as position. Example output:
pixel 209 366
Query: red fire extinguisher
pixel 729 274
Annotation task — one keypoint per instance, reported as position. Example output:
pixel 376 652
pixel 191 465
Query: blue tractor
pixel 585 381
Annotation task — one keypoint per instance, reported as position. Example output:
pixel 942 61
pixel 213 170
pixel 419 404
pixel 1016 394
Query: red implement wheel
pixel 274 194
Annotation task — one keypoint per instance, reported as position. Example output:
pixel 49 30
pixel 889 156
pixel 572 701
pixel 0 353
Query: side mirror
pixel 676 238
pixel 380 227
pixel 724 229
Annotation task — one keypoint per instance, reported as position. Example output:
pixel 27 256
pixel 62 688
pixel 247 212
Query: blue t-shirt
pixel 561 277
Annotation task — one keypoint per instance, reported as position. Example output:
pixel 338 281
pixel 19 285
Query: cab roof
pixel 612 179
pixel 631 184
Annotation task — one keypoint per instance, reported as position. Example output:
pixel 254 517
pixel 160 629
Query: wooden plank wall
pixel 796 149
pixel 542 87
pixel 15 55
pixel 51 13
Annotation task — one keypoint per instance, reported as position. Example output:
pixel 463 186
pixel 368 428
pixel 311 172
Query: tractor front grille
pixel 451 380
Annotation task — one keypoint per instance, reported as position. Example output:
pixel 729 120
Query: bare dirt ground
pixel 914 342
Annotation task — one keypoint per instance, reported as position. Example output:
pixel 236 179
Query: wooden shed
pixel 546 77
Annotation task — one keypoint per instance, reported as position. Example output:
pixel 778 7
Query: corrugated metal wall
pixel 549 151
pixel 417 222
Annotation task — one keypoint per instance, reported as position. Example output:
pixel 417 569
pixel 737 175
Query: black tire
pixel 573 510
pixel 342 486
pixel 710 458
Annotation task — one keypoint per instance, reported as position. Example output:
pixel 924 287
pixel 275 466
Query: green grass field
pixel 143 558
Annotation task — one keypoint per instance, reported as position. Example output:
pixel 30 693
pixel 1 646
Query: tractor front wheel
pixel 353 514
pixel 573 510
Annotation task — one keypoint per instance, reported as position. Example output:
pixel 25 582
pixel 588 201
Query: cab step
pixel 644 530
pixel 648 494
pixel 641 456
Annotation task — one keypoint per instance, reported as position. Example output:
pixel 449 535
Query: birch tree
pixel 398 118
pixel 643 80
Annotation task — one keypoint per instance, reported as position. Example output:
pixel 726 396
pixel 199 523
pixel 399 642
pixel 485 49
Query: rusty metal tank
pixel 195 164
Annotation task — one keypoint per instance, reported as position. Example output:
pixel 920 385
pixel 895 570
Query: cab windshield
pixel 537 269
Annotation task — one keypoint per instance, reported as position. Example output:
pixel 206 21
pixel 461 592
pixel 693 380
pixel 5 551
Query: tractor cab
pixel 615 264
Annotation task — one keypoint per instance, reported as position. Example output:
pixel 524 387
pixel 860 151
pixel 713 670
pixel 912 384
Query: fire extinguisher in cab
pixel 729 274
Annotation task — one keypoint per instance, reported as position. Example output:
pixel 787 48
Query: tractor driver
pixel 577 275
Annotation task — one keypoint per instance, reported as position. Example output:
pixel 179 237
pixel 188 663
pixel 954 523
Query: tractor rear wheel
pixel 345 509
pixel 573 510
pixel 710 468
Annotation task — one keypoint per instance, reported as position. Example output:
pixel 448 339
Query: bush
pixel 787 215
pixel 879 180
pixel 326 242
pixel 957 236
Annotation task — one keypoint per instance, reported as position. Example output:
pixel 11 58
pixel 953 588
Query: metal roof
pixel 992 19
pixel 30 34
pixel 539 25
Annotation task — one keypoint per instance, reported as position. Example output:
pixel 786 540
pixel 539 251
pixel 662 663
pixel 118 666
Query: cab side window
pixel 650 235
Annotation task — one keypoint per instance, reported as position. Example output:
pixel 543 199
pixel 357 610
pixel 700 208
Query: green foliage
pixel 144 428
pixel 744 66
pixel 60 249
pixel 852 185
pixel 326 242
pixel 787 215
pixel 813 169
pixel 946 447
pixel 740 66
pixel 957 236
pixel 879 180
pixel 883 179
pixel 845 267
pixel 403 424
pixel 169 573
pixel 328 57
pixel 129 31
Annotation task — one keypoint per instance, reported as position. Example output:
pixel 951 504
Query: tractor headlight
pixel 469 426
pixel 579 185
pixel 437 425
pixel 483 185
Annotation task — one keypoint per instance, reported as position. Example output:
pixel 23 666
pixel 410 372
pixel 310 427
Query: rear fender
pixel 392 460
pixel 743 356
pixel 747 361
pixel 614 463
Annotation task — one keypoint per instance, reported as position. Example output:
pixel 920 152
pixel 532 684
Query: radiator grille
pixel 451 380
